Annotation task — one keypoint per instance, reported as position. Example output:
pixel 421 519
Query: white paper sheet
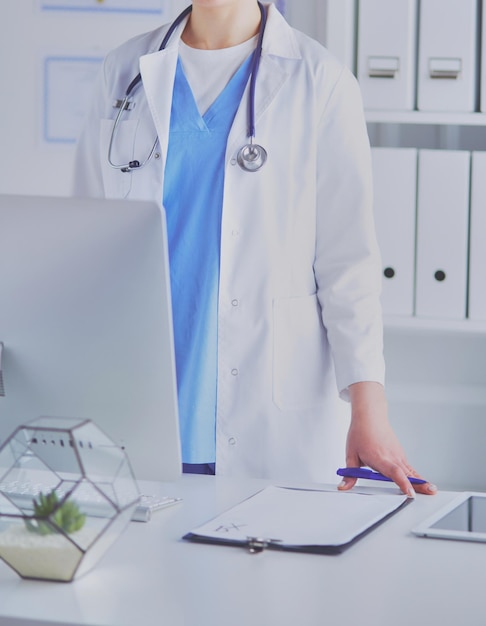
pixel 298 517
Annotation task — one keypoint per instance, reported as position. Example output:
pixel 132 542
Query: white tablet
pixel 464 518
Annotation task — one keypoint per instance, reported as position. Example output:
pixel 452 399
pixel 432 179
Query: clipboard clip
pixel 259 544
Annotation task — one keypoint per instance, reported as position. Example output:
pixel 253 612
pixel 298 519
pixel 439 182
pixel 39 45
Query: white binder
pixel 483 61
pixel 442 233
pixel 477 252
pixel 340 30
pixel 386 53
pixel 447 55
pixel 395 189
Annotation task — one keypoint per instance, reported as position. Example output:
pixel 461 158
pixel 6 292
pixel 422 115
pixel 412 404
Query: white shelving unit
pixel 436 369
pixel 435 326
pixel 426 117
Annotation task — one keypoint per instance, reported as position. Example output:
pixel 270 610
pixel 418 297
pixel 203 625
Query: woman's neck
pixel 223 26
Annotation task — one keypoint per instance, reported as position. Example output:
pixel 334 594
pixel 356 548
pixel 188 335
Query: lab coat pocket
pixel 117 184
pixel 299 353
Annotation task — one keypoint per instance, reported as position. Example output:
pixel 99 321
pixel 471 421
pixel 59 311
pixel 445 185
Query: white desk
pixel 149 577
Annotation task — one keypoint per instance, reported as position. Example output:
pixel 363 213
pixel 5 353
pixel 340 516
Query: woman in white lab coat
pixel 298 319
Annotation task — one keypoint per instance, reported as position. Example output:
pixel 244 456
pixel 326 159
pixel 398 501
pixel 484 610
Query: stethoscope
pixel 251 157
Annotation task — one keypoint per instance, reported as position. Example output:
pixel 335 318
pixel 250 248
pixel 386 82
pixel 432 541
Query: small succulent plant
pixel 65 515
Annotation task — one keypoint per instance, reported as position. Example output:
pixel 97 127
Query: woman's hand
pixel 372 442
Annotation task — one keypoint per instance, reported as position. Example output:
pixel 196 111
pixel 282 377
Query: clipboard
pixel 300 520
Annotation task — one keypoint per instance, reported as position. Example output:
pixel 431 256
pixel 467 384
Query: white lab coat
pixel 299 314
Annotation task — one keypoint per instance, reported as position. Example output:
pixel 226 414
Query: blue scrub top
pixel 193 200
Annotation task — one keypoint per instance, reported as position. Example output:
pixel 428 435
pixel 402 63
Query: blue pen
pixel 364 472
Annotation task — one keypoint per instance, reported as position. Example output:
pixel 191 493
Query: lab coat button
pixel 234 372
pixel 235 302
pixel 232 441
pixel 157 155
pixel 233 161
pixel 235 233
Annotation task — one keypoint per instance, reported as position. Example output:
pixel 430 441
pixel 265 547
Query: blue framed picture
pixel 114 6
pixel 68 86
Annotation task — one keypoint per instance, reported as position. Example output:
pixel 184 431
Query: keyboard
pixel 24 493
pixel 151 504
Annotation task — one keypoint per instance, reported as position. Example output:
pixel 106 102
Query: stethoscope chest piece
pixel 251 157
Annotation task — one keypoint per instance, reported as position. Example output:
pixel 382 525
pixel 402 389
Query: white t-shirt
pixel 209 71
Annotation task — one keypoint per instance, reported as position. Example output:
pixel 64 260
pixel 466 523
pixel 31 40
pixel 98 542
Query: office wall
pixel 62 48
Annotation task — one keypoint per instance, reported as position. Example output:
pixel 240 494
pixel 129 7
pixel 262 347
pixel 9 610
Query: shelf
pixel 426 117
pixel 416 324
pixel 451 395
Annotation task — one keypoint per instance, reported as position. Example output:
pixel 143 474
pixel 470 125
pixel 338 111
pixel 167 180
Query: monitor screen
pixel 86 323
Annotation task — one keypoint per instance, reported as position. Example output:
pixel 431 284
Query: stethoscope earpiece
pixel 251 157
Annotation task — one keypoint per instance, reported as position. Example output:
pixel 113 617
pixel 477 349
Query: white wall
pixel 28 163
pixel 436 387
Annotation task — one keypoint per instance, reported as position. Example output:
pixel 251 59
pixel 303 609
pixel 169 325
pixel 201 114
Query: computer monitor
pixel 86 323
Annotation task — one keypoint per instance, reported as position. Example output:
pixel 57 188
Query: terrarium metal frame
pixel 67 491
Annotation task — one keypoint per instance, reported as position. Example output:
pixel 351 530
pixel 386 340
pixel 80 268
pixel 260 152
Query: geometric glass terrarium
pixel 67 492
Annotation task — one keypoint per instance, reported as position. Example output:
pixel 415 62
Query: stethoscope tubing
pixel 180 18
pixel 251 157
pixel 255 64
